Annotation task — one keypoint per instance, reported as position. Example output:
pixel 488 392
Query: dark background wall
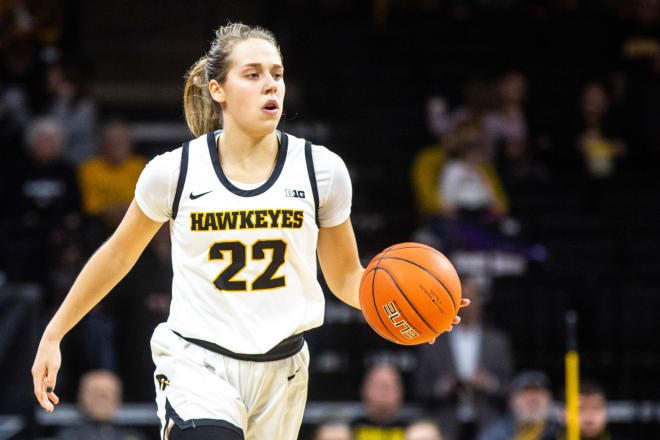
pixel 358 77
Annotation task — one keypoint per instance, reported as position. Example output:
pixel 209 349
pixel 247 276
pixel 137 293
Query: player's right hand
pixel 44 373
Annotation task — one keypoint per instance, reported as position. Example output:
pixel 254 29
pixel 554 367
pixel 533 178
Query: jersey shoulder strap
pixel 312 179
pixel 183 170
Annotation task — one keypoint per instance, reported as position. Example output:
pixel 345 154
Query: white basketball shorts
pixel 198 387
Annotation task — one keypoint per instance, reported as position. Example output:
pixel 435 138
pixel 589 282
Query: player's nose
pixel 271 85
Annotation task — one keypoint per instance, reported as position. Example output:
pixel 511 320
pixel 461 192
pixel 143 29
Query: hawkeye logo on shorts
pixel 298 194
pixel 256 219
pixel 163 381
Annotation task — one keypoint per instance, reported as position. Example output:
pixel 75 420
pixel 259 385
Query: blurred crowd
pixel 486 149
pixel 68 172
pixel 524 410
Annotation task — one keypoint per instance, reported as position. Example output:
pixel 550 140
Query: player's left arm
pixel 338 255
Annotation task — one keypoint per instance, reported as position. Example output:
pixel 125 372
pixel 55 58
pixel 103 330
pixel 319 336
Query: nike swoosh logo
pixel 197 196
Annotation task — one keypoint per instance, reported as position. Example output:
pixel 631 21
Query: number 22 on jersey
pixel 265 281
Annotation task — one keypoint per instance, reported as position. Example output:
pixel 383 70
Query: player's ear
pixel 217 91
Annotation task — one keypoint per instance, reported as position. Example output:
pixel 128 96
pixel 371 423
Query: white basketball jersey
pixel 244 261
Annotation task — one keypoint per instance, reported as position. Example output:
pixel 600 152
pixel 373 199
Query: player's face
pixel 253 93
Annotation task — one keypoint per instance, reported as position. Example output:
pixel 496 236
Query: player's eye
pixel 278 75
pixel 252 75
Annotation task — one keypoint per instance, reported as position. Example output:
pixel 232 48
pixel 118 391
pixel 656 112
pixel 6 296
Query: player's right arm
pixel 109 264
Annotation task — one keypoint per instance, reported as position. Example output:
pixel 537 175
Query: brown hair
pixel 203 114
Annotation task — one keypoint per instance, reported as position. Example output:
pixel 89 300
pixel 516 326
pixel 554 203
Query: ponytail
pixel 203 114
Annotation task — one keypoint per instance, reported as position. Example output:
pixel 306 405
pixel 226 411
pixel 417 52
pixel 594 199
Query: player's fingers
pixel 432 341
pixel 50 382
pixel 38 373
pixel 53 398
pixel 457 320
pixel 464 302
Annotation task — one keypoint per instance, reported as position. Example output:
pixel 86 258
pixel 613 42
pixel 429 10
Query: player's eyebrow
pixel 277 66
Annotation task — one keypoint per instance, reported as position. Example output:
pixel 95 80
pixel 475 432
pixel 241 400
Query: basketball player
pixel 249 207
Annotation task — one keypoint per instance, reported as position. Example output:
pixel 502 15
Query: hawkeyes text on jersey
pixel 252 219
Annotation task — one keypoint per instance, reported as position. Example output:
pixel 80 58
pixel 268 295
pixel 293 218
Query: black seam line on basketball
pixel 382 256
pixel 407 300
pixel 430 273
pixel 385 252
pixel 373 298
pixel 413 247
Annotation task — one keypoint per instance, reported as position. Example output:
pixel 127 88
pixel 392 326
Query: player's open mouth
pixel 270 107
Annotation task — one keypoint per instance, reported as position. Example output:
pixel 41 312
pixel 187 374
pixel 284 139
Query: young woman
pixel 249 208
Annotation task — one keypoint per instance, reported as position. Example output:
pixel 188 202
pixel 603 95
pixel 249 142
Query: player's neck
pixel 245 158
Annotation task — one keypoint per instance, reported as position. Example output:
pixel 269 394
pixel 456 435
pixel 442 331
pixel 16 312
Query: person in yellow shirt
pixel 382 397
pixel 431 163
pixel 107 181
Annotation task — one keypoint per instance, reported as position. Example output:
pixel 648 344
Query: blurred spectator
pixel 593 413
pixel 454 176
pixel 506 124
pixel 471 200
pixel 382 396
pixel 428 162
pixel 468 185
pixel 462 378
pixel 506 135
pixel 333 430
pixel 599 149
pixel 41 201
pixel 99 398
pixel 530 404
pixel 75 110
pixel 108 180
pixel 423 430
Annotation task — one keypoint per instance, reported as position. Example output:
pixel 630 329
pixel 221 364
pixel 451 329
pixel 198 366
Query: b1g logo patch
pixel 296 193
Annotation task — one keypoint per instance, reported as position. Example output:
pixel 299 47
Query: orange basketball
pixel 410 293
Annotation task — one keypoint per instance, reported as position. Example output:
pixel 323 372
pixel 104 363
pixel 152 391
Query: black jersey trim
pixel 279 164
pixel 312 179
pixel 171 414
pixel 183 170
pixel 286 348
